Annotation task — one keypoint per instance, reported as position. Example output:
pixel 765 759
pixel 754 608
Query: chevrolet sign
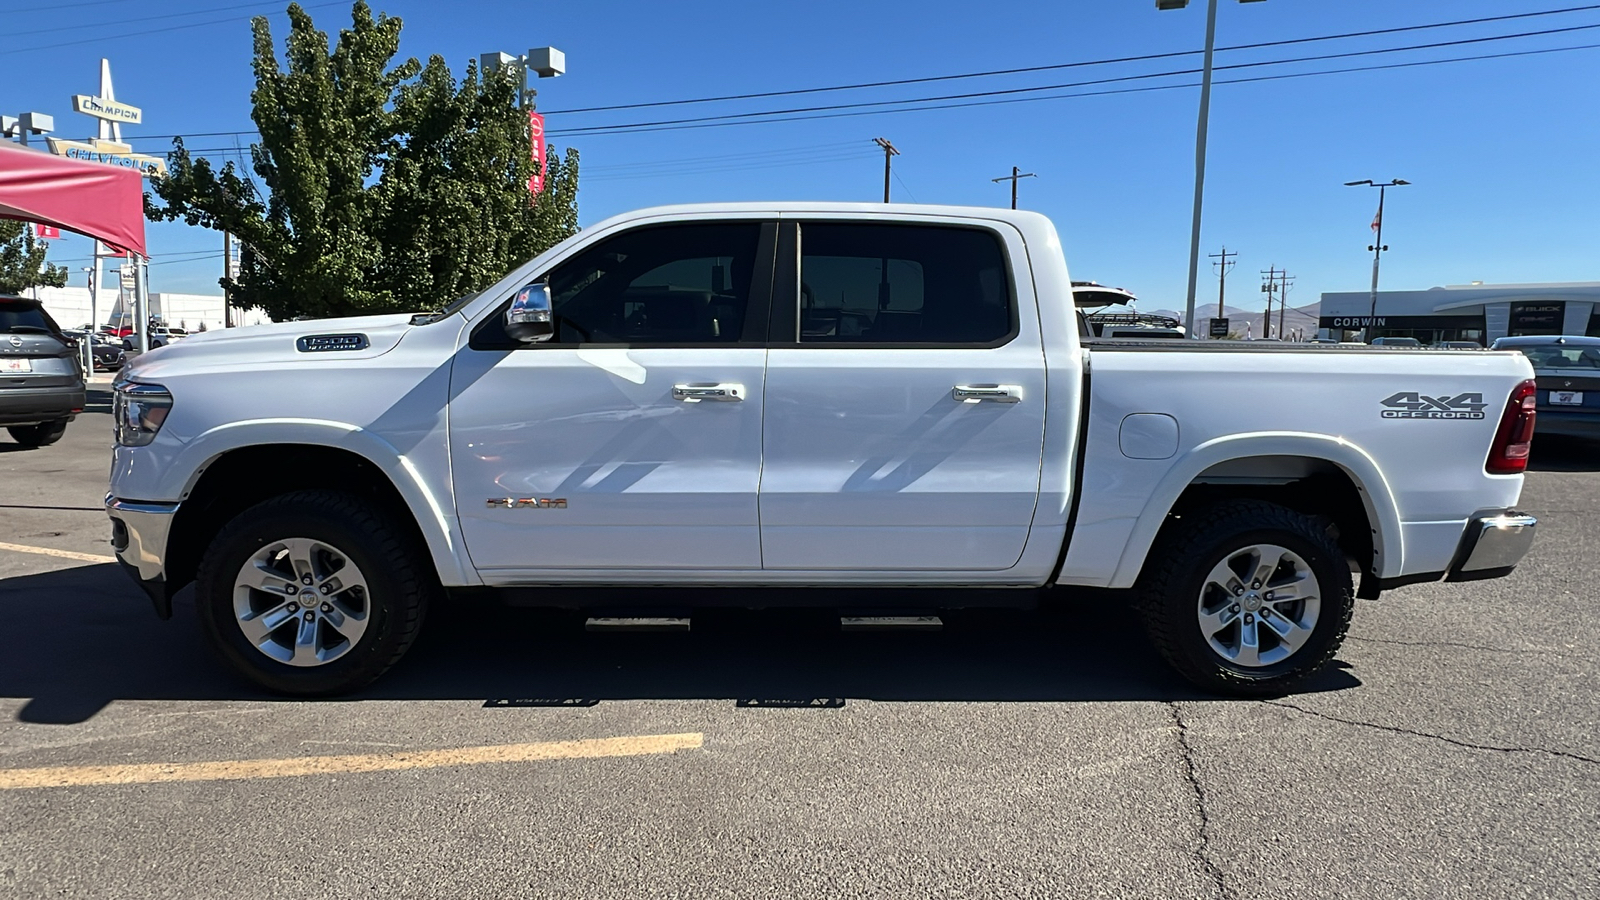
pixel 110 153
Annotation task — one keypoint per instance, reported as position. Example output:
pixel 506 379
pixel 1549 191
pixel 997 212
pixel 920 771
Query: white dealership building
pixel 1465 312
pixel 69 306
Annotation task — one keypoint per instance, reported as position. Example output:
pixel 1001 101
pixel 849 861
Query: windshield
pixel 1562 357
pixel 24 317
pixel 449 309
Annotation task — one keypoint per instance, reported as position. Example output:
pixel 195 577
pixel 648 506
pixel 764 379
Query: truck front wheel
pixel 310 593
pixel 1248 598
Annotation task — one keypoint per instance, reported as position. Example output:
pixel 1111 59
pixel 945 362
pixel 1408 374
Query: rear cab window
pixel 900 284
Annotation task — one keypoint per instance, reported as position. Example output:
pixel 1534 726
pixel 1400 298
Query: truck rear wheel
pixel 1248 598
pixel 40 435
pixel 310 593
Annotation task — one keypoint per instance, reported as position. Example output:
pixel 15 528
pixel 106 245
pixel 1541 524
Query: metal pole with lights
pixel 1199 150
pixel 545 62
pixel 1378 247
pixel 20 127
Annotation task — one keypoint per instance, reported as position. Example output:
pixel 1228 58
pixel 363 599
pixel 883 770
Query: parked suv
pixel 41 383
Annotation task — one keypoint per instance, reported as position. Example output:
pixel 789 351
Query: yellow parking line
pixel 63 554
pixel 236 769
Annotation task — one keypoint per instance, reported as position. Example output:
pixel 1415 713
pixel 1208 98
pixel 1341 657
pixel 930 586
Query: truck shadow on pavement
pixel 91 638
pixel 1560 453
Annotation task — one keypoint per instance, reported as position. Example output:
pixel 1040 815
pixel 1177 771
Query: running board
pixel 890 623
pixel 637 623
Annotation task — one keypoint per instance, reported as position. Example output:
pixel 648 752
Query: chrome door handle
pixel 694 393
pixel 999 393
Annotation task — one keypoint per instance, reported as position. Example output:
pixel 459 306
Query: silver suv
pixel 41 382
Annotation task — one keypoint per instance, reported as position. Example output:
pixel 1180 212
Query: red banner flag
pixel 47 232
pixel 1377 220
pixel 536 136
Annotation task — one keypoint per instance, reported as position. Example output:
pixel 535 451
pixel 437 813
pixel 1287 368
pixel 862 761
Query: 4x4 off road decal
pixel 1412 405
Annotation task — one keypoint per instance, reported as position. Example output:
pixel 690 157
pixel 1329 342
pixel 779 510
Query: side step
pixel 890 623
pixel 636 623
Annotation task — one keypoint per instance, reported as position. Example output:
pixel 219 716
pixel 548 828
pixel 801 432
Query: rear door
pixel 905 399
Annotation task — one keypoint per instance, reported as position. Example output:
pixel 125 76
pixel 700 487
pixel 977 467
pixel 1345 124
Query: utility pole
pixel 227 272
pixel 1223 265
pixel 889 152
pixel 1285 281
pixel 1268 289
pixel 1016 174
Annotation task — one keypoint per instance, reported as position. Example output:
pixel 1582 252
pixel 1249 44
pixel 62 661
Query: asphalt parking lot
pixel 1454 751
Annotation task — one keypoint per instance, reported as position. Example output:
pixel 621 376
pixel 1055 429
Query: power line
pixel 52 7
pixel 111 22
pixel 1082 63
pixel 610 130
pixel 1056 66
pixel 1105 93
pixel 127 34
pixel 730 117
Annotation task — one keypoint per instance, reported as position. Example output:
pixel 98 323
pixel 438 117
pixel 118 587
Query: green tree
pixel 383 187
pixel 22 264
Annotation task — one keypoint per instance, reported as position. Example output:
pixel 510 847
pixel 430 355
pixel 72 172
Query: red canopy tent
pixel 93 199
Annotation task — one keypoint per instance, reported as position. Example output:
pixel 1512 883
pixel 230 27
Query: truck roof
pixel 1022 218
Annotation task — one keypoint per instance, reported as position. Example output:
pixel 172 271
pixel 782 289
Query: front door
pixel 632 439
pixel 905 416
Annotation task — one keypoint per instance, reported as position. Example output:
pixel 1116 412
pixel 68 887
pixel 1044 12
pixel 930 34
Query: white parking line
pixel 242 769
pixel 60 554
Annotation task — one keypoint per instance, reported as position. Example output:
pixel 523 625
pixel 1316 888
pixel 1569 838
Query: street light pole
pixel 1201 128
pixel 1377 248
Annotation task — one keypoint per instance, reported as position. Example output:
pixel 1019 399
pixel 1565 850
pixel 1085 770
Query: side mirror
pixel 528 320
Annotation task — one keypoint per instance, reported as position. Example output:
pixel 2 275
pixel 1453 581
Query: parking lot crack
pixel 1191 775
pixel 1467 745
pixel 1458 645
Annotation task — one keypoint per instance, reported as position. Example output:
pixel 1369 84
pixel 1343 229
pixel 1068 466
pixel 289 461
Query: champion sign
pixel 1412 405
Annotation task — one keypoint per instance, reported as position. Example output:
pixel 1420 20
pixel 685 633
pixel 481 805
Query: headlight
pixel 138 412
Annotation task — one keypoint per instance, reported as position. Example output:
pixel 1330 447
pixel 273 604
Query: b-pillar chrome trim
pixel 139 535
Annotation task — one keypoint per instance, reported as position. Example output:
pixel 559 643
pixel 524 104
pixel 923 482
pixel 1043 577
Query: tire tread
pixel 1173 562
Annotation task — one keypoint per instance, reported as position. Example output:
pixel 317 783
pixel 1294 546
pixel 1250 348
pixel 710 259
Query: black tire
pixel 1177 573
pixel 40 435
pixel 397 573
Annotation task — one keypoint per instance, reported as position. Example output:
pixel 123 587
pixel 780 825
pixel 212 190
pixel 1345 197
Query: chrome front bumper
pixel 1492 547
pixel 139 535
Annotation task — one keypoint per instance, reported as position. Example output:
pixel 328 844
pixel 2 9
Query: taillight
pixel 1509 453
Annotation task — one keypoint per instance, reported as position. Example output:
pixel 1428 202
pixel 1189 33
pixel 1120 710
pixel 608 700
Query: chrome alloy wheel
pixel 301 601
pixel 1259 605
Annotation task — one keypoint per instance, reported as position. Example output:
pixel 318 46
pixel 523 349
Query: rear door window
pixel 903 284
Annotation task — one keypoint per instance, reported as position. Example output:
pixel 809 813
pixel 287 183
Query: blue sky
pixel 1500 152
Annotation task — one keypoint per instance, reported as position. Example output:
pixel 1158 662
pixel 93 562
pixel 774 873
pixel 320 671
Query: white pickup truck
pixel 789 403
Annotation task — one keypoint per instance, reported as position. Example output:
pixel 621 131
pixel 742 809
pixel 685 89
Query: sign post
pixel 1219 327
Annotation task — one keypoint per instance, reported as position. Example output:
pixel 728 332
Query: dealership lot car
pixel 1567 369
pixel 41 385
pixel 108 353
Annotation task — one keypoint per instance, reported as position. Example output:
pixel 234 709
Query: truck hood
pixel 350 339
